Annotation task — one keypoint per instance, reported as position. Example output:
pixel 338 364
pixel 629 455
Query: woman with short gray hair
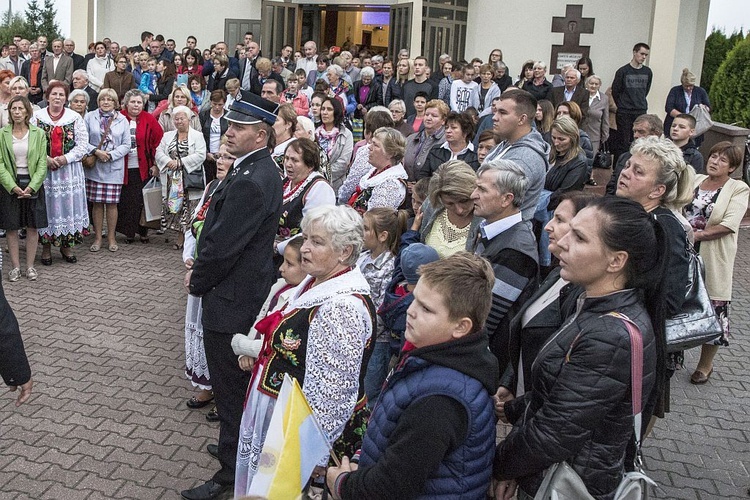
pixel 78 101
pixel 367 92
pixel 109 142
pixel 321 337
pixel 385 184
pixel 340 88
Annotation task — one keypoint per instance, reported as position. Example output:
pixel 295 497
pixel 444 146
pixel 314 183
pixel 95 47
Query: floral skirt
pixel 181 220
pixel 722 311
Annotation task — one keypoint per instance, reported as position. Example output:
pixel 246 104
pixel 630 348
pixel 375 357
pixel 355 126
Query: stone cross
pixel 572 25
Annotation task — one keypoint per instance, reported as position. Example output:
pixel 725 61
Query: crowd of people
pixel 414 246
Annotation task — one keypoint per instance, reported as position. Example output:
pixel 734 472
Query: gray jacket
pixel 531 153
pixel 418 147
pixel 117 145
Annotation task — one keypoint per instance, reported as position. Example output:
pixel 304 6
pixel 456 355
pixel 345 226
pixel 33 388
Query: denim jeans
pixel 377 371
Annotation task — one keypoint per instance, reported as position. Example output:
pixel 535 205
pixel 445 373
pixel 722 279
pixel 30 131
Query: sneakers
pixel 14 275
pixel 31 274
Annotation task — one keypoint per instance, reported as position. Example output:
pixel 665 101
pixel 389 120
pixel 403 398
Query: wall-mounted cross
pixel 572 25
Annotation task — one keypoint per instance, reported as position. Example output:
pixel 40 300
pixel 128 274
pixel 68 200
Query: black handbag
pixel 697 323
pixel 603 158
pixel 195 179
pixel 192 180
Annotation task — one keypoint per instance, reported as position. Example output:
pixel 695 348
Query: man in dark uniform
pixel 234 270
pixel 14 366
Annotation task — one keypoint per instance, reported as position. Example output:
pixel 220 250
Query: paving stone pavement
pixel 107 418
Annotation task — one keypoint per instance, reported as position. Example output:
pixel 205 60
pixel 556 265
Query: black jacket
pixel 539 92
pixel 163 88
pixel 565 176
pixel 205 119
pixel 26 73
pixel 93 95
pixel 579 408
pixel 374 98
pixel 693 157
pixel 526 340
pixel 439 155
pixel 256 86
pixel 14 366
pixel 215 82
pixel 234 269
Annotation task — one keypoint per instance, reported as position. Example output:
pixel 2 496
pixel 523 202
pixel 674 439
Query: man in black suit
pixel 69 47
pixel 234 270
pixel 247 65
pixel 572 91
pixel 14 366
pixel 81 81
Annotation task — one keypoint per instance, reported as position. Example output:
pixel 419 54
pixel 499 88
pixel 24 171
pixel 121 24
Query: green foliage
pixel 730 90
pixel 35 21
pixel 47 25
pixel 15 26
pixel 33 16
pixel 717 46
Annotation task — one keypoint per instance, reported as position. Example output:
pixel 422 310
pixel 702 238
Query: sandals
pixel 177 247
pixel 95 248
pixel 113 247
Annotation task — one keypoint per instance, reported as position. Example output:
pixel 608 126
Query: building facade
pixel 553 31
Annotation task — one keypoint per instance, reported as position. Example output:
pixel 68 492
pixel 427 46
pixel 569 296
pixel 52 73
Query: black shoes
pixel 195 403
pixel 213 450
pixel 209 490
pixel 70 259
pixel 213 415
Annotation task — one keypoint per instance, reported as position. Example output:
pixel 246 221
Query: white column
pixel 82 20
pixel 677 41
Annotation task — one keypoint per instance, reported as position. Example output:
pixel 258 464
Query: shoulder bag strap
pixel 636 376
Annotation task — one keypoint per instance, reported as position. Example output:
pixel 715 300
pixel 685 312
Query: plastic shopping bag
pixel 152 199
pixel 175 192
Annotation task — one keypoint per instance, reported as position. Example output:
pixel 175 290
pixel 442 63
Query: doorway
pixel 361 27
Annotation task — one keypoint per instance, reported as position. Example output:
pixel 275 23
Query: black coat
pixel 565 176
pixel 205 119
pixel 527 340
pixel 439 155
pixel 579 408
pixel 580 97
pixel 14 366
pixel 234 270
pixel 93 95
pixel 219 82
pixel 256 86
pixel 374 98
pixel 26 73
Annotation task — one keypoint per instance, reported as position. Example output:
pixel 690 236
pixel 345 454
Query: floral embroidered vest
pixel 68 135
pixel 288 347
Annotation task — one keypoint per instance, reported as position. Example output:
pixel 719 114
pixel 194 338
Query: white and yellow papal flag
pixel 294 445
